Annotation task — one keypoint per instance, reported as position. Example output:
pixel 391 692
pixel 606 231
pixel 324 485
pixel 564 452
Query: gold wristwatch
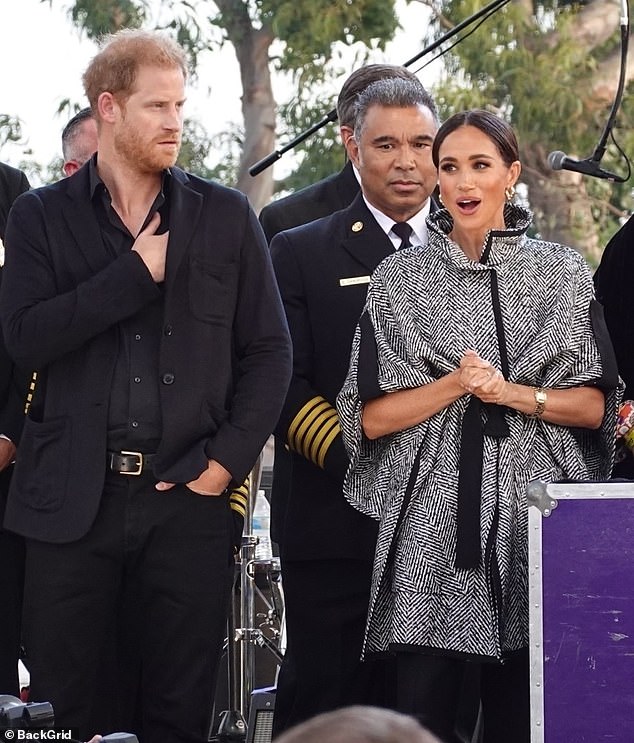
pixel 540 402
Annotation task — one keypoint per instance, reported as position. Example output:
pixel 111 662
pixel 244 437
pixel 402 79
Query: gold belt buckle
pixel 138 454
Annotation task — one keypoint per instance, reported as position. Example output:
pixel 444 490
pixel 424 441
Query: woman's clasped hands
pixel 480 378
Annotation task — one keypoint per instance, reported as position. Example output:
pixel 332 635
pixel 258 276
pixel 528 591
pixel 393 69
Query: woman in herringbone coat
pixel 478 365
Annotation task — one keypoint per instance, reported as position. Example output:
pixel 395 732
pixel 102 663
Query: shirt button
pixel 135 424
pixel 137 337
pixel 168 378
pixel 137 379
pixel 167 330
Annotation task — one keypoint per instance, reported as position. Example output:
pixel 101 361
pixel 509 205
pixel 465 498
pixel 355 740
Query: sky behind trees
pixel 40 73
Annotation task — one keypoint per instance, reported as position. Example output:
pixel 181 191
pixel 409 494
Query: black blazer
pixel 611 280
pixel 13 182
pixel 323 269
pixel 224 358
pixel 313 202
pixel 13 381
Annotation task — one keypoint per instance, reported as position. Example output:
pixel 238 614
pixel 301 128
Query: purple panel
pixel 588 613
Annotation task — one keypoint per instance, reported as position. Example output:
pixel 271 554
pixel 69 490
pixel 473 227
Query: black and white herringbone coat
pixel 425 308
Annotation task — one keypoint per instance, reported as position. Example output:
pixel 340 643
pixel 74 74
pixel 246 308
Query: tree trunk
pixel 258 104
pixel 561 205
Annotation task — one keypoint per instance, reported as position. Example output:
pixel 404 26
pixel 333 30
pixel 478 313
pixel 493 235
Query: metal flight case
pixel 581 612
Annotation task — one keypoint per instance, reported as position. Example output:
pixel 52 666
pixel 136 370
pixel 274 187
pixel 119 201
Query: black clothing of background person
pixel 13 182
pixel 323 270
pixel 326 547
pixel 611 280
pixel 312 202
pixel 13 386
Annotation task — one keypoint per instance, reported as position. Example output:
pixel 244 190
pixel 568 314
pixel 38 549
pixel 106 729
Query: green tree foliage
pixel 309 28
pixel 99 17
pixel 320 154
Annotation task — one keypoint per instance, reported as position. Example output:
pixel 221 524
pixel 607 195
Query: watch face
pixel 540 397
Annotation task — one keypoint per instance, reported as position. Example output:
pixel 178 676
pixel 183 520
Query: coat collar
pixel 365 240
pixel 347 184
pixel 81 219
pixel 185 209
pixel 498 244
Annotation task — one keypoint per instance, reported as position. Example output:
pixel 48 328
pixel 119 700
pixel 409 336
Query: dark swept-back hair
pixel 359 80
pixel 394 93
pixel 71 130
pixel 496 129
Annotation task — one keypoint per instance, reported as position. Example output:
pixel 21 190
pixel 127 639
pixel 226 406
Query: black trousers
pixel 11 587
pixel 431 688
pixel 124 627
pixel 326 605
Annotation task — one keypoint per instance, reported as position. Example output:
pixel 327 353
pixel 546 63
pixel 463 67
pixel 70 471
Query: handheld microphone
pixel 560 161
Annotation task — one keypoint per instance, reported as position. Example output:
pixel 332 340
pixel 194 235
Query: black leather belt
pixel 129 462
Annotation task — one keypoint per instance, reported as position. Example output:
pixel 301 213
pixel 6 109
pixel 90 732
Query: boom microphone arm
pixel 590 166
pixel 599 151
pixel 331 116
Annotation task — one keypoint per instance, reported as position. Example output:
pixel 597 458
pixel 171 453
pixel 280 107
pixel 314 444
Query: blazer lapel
pixel 365 241
pixel 82 222
pixel 185 208
pixel 347 186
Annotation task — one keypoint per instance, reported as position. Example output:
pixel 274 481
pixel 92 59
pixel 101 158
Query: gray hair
pixel 391 93
pixel 359 80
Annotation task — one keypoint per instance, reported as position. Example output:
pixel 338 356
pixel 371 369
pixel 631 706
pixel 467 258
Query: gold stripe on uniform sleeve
pixel 238 508
pixel 316 434
pixel 239 496
pixel 298 425
pixel 313 430
pixel 30 393
pixel 312 420
pixel 326 443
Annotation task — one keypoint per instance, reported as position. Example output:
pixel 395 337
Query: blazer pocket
pixel 42 464
pixel 213 291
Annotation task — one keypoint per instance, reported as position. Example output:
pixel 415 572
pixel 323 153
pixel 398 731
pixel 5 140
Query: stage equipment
pixel 260 727
pixel 590 166
pixel 18 715
pixel 581 611
pixel 273 157
pixel 248 630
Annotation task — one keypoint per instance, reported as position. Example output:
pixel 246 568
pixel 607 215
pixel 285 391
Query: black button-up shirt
pixel 134 414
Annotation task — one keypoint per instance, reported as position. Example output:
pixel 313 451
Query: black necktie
pixel 404 231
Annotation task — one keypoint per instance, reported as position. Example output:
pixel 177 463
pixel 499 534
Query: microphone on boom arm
pixel 558 160
pixel 590 166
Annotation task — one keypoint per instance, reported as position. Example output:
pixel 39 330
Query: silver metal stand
pixel 243 635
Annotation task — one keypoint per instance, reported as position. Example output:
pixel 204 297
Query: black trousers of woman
pixel 430 687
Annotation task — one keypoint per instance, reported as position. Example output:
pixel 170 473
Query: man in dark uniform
pixel 13 385
pixel 338 190
pixel 146 299
pixel 611 281
pixel 323 269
